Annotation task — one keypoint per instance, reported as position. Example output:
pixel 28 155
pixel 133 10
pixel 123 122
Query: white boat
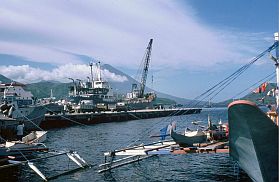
pixel 29 145
pixel 35 137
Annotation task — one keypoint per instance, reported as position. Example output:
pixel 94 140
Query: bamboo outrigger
pixel 140 152
pixel 135 154
pixel 71 154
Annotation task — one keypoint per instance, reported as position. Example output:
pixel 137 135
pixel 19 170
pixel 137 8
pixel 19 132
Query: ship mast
pixel 91 69
pixel 276 38
pixel 99 71
pixel 276 60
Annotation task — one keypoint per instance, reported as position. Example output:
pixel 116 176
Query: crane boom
pixel 145 68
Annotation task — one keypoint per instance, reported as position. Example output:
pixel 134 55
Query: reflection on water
pixel 92 141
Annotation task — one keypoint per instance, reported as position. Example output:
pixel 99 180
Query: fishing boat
pixel 253 136
pixel 188 138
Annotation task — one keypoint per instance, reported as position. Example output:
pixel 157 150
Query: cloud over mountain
pixel 28 74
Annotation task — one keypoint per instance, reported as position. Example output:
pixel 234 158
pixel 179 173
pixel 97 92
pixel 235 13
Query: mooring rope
pixel 265 79
pixel 220 86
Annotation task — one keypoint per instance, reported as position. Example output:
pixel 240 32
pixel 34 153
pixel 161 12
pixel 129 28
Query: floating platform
pixel 70 119
pixel 122 157
pixel 216 147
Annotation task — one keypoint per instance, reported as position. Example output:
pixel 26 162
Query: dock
pixel 70 119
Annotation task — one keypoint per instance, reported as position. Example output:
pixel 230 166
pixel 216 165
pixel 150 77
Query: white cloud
pixel 114 31
pixel 28 74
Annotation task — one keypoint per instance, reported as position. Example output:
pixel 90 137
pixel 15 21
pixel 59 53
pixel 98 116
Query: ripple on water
pixel 92 141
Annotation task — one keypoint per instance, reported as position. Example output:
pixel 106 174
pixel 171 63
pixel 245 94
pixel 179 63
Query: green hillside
pixel 43 89
pixel 4 79
pixel 258 98
pixel 164 101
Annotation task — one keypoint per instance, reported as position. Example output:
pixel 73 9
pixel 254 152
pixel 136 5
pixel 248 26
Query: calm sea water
pixel 92 141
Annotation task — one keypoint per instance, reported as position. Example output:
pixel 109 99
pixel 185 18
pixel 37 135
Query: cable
pixel 220 86
pixel 272 75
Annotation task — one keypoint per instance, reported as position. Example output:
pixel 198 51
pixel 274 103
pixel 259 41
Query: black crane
pixel 145 68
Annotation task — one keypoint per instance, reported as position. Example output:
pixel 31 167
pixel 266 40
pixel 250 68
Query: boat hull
pixel 253 139
pixel 32 116
pixel 186 141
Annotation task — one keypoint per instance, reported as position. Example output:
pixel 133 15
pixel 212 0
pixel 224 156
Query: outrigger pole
pixel 71 154
pixel 135 154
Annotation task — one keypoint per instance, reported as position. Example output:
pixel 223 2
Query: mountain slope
pixel 60 90
pixel 4 79
pixel 124 87
pixel 258 98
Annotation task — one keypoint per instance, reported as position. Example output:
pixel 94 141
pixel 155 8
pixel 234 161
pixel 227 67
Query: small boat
pixel 29 145
pixel 20 150
pixel 35 137
pixel 188 138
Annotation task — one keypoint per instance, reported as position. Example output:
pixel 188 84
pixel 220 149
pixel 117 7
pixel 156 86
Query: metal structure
pixel 145 68
pixel 276 60
pixel 74 156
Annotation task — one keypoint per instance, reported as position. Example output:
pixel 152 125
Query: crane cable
pixel 220 86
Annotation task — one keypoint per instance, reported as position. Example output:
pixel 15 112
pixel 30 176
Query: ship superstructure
pixel 97 90
pixel 21 105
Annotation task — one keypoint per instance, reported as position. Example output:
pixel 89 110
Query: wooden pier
pixel 70 119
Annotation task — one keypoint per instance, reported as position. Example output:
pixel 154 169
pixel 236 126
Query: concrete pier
pixel 70 119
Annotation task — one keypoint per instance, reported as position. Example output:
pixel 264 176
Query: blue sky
pixel 196 42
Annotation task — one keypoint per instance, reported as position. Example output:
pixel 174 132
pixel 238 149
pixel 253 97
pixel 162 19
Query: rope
pixel 265 79
pixel 67 118
pixel 224 83
pixel 16 150
pixel 29 120
pixel 217 88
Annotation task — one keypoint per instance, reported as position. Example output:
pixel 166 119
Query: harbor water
pixel 93 140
